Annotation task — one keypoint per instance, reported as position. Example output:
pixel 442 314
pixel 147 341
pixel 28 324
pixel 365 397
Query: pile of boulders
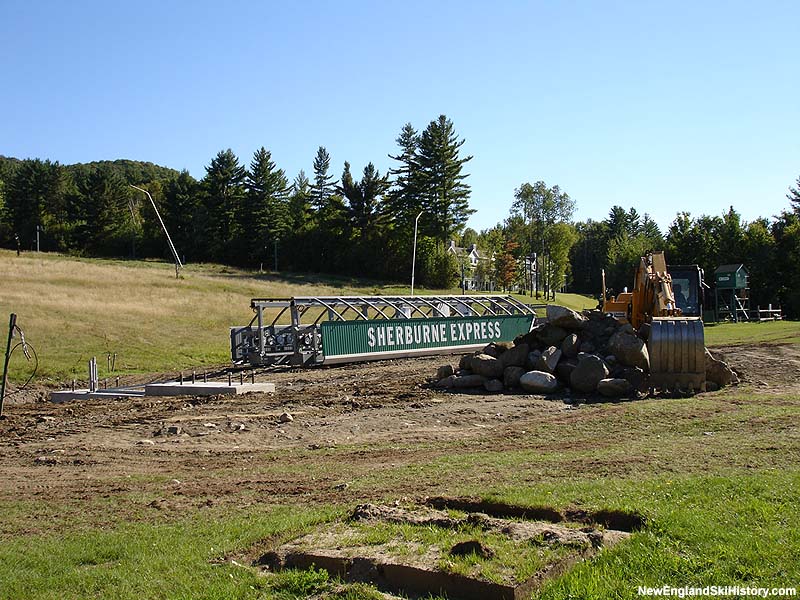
pixel 586 353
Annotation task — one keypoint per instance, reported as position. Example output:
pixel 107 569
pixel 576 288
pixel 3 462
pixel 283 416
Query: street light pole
pixel 414 254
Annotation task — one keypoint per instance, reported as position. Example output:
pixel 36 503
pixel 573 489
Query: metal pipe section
pixel 178 263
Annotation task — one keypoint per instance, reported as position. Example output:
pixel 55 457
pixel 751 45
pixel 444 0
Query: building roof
pixel 729 268
pixel 459 251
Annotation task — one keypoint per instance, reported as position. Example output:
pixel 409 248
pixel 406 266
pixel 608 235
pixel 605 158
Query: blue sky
pixel 664 106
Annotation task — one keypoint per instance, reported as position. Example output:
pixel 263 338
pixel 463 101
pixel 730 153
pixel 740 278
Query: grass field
pixel 72 309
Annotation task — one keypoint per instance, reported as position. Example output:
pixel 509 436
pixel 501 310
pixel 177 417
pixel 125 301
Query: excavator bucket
pixel 677 354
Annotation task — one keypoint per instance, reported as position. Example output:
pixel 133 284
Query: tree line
pixel 252 214
pixel 362 224
pixel 572 255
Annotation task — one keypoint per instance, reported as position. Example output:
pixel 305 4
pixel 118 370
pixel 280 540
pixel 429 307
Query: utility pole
pixel 38 229
pixel 414 253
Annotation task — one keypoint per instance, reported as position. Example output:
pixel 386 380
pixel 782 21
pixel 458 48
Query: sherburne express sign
pixel 354 339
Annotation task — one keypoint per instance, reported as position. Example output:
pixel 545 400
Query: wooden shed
pixel 732 293
pixel 731 277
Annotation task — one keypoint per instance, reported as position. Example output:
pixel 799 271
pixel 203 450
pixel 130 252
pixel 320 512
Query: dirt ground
pixel 172 454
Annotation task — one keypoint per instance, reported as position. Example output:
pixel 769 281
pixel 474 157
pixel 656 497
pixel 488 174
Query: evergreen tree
pixel 364 199
pixel 183 215
pixel 36 196
pixel 649 229
pixel 403 201
pixel 622 222
pixel 439 180
pixel 223 192
pixel 327 239
pixel 794 197
pixel 266 209
pixel 300 203
pixel 105 227
pixel 323 186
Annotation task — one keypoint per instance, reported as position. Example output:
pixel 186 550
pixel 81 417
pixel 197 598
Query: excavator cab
pixel 689 288
pixel 670 302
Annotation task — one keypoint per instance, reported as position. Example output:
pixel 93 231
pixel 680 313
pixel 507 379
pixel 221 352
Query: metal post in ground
pixel 12 323
pixel 93 374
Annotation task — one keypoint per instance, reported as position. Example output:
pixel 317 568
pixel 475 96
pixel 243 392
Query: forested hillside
pixel 252 214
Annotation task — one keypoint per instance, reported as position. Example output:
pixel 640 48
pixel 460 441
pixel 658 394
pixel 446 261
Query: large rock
pixel 538 382
pixel 468 381
pixel 550 335
pixel 493 385
pixel 444 371
pixel 718 371
pixel 590 371
pixel 486 366
pixel 446 382
pixel 548 360
pixel 511 376
pixel 532 360
pixel 530 338
pixel 629 350
pixel 636 377
pixel 496 349
pixel 516 356
pixel 570 345
pixel 562 316
pixel 613 388
pixel 464 362
pixel 565 368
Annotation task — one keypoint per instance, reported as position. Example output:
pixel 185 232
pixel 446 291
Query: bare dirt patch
pixel 358 433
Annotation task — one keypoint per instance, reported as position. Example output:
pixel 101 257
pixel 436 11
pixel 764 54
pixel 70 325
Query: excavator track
pixel 677 354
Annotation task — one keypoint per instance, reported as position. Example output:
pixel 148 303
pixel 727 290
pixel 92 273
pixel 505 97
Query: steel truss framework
pixel 265 341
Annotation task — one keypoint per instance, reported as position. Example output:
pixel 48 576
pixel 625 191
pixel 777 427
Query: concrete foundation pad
pixel 171 388
pixel 85 394
pixel 211 388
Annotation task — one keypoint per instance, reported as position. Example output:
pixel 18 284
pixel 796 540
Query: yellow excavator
pixel 675 343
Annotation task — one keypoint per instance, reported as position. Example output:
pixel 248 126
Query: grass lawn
pixel 736 529
pixel 772 332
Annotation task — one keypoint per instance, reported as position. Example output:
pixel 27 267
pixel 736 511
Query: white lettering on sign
pixel 432 333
